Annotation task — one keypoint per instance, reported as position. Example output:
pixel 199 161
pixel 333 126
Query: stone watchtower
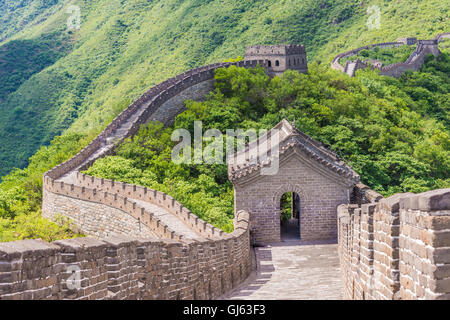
pixel 279 58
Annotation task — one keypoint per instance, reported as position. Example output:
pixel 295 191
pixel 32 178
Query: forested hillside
pixel 19 15
pixel 82 78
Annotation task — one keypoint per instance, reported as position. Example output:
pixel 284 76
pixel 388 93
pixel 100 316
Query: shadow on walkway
pixel 293 270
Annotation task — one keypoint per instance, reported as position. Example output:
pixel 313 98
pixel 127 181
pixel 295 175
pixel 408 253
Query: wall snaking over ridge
pixel 414 62
pixel 150 246
pixel 163 102
pixel 125 267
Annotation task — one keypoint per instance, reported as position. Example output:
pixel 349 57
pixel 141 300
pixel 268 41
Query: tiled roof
pixel 289 137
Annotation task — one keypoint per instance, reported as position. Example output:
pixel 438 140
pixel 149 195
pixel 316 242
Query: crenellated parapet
pixel 276 50
pixel 114 200
pixel 125 267
pixel 128 192
pixel 396 247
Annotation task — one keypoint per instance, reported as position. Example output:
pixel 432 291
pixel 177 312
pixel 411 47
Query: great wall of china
pixel 185 258
pixel 414 62
pixel 143 244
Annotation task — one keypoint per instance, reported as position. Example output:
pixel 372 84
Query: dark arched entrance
pixel 290 216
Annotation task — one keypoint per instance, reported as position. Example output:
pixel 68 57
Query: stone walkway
pixel 293 270
pixel 170 220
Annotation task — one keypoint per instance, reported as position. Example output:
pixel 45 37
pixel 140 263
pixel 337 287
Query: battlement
pixel 290 49
pixel 120 267
pixel 414 62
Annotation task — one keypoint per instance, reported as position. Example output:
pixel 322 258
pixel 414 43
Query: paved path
pixel 169 219
pixel 293 271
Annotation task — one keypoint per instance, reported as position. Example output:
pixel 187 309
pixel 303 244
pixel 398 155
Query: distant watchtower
pixel 279 58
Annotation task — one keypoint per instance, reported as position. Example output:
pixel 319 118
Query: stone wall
pixel 414 62
pixel 337 66
pixel 125 267
pixel 397 247
pixel 95 219
pixel 99 210
pixel 170 109
pixel 124 263
pixel 155 197
pixel 100 213
pixel 279 58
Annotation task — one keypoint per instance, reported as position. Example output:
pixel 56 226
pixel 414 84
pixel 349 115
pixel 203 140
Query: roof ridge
pixel 290 137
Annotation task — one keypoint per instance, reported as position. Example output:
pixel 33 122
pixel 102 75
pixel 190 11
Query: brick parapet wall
pixel 96 219
pixel 362 194
pixel 396 248
pixel 386 248
pixel 125 268
pixel 415 60
pixel 344 214
pixel 425 246
pixel 141 110
pixel 129 191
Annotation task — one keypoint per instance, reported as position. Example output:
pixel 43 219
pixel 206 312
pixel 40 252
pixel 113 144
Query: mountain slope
pixel 17 15
pixel 125 47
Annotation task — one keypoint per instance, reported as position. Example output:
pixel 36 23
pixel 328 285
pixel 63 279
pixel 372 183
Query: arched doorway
pixel 290 216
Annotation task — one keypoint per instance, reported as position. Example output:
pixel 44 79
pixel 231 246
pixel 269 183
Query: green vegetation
pixel 18 15
pixel 21 193
pixel 72 83
pixel 444 45
pixel 286 206
pixel 125 47
pixel 385 55
pixel 33 226
pixel 20 59
pixel 385 128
